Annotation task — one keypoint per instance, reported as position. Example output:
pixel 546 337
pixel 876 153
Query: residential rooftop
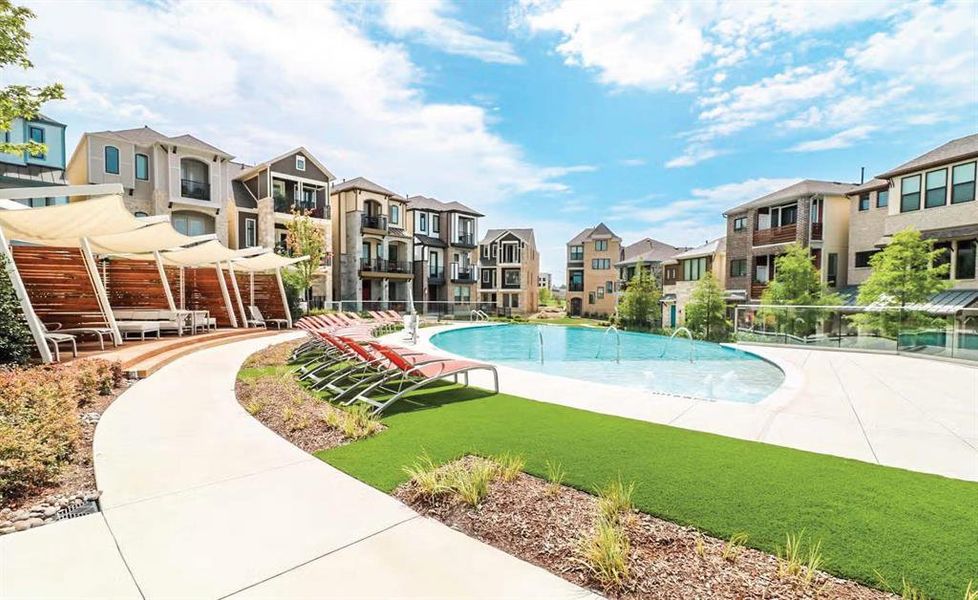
pixel 598 232
pixel 958 149
pixel 647 250
pixel 524 234
pixel 362 183
pixel 425 203
pixel 805 187
pixel 147 136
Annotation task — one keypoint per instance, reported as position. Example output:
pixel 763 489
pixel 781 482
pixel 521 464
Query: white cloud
pixel 632 162
pixel 842 139
pixel 224 72
pixel 693 155
pixel 429 23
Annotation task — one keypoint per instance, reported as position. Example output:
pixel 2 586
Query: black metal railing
pixel 464 275
pixel 436 273
pixel 373 221
pixel 197 190
pixel 575 287
pixel 465 239
pixel 380 265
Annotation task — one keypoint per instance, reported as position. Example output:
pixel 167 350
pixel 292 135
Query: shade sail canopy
pixel 266 262
pixel 158 236
pixel 207 253
pixel 66 224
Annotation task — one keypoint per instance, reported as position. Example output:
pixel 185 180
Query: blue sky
pixel 651 116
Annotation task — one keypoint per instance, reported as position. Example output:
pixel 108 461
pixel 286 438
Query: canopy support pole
pixel 224 292
pixel 237 294
pixel 166 284
pixel 251 288
pixel 100 293
pixel 285 300
pixel 34 323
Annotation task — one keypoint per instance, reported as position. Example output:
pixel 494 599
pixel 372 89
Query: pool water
pixel 648 361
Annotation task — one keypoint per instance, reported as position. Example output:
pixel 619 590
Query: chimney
pixel 862 175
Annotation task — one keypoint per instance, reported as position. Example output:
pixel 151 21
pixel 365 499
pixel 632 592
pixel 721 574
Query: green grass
pixel 901 524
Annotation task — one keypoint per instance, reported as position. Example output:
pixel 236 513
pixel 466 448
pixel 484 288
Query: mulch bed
pixel 526 520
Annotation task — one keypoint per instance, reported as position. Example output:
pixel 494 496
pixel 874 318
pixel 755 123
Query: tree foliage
pixel 796 282
pixel 639 304
pixel 20 100
pixel 306 238
pixel 546 296
pixel 706 311
pixel 16 341
pixel 908 271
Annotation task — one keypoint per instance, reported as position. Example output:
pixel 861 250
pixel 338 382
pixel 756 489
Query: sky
pixel 652 116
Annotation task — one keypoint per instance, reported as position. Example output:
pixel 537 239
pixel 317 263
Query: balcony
pixel 465 239
pixel 463 276
pixel 575 287
pixel 285 206
pixel 380 265
pixel 756 289
pixel 816 231
pixel 436 274
pixel 373 222
pixel 198 190
pixel 775 235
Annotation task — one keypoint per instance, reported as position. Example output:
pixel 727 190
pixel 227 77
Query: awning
pixel 433 242
pixel 736 295
pixel 158 236
pixel 946 303
pixel 207 253
pixel 266 262
pixel 66 224
pixel 667 298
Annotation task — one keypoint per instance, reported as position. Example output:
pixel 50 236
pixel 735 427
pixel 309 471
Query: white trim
pixel 237 293
pixel 255 242
pixel 100 293
pixel 33 322
pixel 224 293
pixel 163 279
pixel 285 299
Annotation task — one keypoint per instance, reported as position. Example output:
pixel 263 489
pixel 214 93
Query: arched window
pixel 193 179
pixel 140 213
pixel 112 160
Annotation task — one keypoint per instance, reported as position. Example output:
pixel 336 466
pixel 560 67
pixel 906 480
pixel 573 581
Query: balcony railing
pixel 575 287
pixel 756 289
pixel 436 274
pixel 465 239
pixel 197 190
pixel 284 205
pixel 816 231
pixel 380 265
pixel 775 235
pixel 373 222
pixel 463 275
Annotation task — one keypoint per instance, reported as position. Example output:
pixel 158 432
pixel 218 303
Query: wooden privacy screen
pixel 58 285
pixel 137 283
pixel 202 291
pixel 266 295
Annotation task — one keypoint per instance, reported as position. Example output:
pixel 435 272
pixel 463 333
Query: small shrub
pixel 288 413
pixel 909 591
pixel 254 407
pixel 510 466
pixel 699 546
pixel 733 546
pixel 471 482
pixel 16 341
pixel 615 499
pixel 794 562
pixel 426 477
pixel 555 477
pixel 357 423
pixel 605 552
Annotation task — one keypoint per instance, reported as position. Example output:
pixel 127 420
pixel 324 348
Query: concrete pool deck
pixel 899 411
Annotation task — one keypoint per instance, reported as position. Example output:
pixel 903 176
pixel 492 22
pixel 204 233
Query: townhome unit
pixel 509 271
pixel 933 193
pixel 372 243
pixel 646 252
pixel 812 213
pixel 682 272
pixel 591 277
pixel 445 236
pixel 35 170
pixel 545 281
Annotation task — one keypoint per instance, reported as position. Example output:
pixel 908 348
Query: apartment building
pixel 509 271
pixel 35 170
pixel 646 252
pixel 372 245
pixel 680 274
pixel 545 281
pixel 591 277
pixel 445 237
pixel 812 213
pixel 933 193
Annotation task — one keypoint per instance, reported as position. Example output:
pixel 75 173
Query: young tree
pixel 706 311
pixel 20 100
pixel 909 270
pixel 640 300
pixel 305 238
pixel 546 296
pixel 796 283
pixel 16 340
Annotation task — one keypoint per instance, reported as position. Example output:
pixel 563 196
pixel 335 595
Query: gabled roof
pixel 708 249
pixel 648 250
pixel 147 136
pixel 959 149
pixel 425 203
pixel 43 118
pixel 869 186
pixel 301 149
pixel 362 183
pixel 598 232
pixel 524 234
pixel 805 187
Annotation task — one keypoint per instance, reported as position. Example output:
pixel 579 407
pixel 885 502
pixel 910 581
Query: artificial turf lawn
pixel 872 520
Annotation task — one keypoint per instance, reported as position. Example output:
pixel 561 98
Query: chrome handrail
pixel 617 343
pixel 529 352
pixel 692 344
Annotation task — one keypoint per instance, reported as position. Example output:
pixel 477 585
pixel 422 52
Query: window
pixel 944 258
pixel 600 245
pixel 36 134
pixel 590 297
pixel 463 293
pixel 600 263
pixel 435 223
pixel 789 215
pixel 740 223
pixel 963 183
pixel 365 250
pixel 511 277
pixel 600 293
pixel 577 253
pixel 882 198
pixel 189 223
pixel 936 189
pixel 576 283
pixel 738 267
pixel 964 260
pixel 670 274
pixel 140 213
pixel 300 162
pixel 112 160
pixel 423 221
pixel 609 286
pixel 910 193
pixel 514 301
pixel 694 269
pixel 395 211
pixel 251 233
pixel 864 201
pixel 862 258
pixel 486 275
pixel 142 167
pixel 832 272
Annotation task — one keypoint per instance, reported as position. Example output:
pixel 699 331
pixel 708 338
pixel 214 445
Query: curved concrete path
pixel 202 501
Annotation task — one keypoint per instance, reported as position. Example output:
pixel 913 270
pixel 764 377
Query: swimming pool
pixel 648 361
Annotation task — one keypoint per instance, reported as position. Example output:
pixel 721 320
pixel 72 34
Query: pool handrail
pixel 692 344
pixel 617 341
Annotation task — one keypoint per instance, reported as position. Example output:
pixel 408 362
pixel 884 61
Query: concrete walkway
pixel 899 411
pixel 202 501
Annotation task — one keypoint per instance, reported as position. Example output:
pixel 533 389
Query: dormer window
pixel 112 160
pixel 37 135
pixel 300 162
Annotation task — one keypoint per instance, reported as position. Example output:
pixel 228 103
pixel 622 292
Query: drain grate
pixel 85 508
